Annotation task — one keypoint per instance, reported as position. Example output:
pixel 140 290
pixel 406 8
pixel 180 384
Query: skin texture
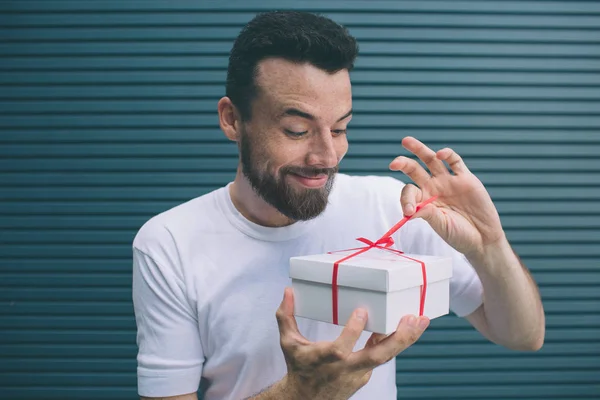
pixel 463 215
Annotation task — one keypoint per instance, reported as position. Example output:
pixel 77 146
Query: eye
pixel 339 132
pixel 295 134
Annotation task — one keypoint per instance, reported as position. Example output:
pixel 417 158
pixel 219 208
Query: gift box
pixel 386 282
pixel 386 285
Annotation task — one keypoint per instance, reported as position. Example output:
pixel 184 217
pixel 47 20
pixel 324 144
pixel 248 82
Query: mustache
pixel 309 171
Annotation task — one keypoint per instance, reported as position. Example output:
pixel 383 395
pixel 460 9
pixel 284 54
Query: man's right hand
pixel 331 370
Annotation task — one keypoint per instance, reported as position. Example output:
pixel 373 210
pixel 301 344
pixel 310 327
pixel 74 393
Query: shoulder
pixel 162 235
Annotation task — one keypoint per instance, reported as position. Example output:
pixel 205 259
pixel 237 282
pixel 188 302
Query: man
pixel 209 274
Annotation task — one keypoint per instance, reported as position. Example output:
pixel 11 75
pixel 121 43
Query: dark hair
pixel 292 35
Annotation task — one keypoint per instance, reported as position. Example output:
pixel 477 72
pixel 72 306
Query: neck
pixel 252 206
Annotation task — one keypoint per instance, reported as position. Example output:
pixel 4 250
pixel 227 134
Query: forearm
pixel 514 315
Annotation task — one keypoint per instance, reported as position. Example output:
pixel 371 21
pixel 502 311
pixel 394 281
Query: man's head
pixel 288 102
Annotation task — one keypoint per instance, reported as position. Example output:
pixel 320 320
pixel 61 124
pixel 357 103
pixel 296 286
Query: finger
pixel 411 168
pixel 410 196
pixel 345 343
pixel 288 328
pixel 455 162
pixel 408 332
pixel 426 155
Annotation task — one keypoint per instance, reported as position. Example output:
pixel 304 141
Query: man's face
pixel 291 148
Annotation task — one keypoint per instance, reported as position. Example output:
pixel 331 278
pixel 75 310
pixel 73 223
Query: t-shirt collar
pixel 256 231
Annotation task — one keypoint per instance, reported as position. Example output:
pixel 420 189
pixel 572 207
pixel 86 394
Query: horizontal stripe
pixel 175 91
pixel 557 290
pixel 165 179
pixel 48 280
pixel 585 19
pixel 210 62
pixel 222 148
pixel 76 235
pixel 92 379
pixel 362 33
pixel 132 222
pixel 525 7
pixel 122 265
pixel 33 309
pixel 432 137
pixel 352 164
pixel 400 107
pixel 223 47
pixel 150 208
pixel 359 77
pixel 181 194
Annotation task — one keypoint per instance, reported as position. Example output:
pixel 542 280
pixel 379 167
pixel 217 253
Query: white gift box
pixel 387 284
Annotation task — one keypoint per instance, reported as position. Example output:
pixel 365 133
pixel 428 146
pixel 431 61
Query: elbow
pixel 530 345
pixel 538 341
pixel 532 342
pixel 537 335
pixel 535 344
pixel 538 344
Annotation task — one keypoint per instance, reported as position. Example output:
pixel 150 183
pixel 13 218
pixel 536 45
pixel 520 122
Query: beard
pixel 298 204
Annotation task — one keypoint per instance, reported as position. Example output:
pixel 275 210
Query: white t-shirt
pixel 207 283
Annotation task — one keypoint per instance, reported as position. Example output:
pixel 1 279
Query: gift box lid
pixel 376 269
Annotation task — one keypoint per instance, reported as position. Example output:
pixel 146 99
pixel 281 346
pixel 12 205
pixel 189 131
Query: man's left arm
pixel 464 216
pixel 512 314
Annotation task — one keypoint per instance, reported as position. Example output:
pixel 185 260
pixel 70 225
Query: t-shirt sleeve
pixel 466 290
pixel 170 355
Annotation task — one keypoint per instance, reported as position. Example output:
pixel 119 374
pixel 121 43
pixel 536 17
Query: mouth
pixel 312 182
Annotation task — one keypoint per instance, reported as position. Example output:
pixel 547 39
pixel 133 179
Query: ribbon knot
pixel 383 243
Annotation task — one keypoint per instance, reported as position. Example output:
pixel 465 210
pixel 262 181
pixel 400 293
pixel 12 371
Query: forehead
pixel 283 83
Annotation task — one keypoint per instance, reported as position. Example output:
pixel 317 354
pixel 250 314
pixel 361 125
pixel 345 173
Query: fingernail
pixel 423 322
pixel 361 314
pixel 412 321
pixel 410 209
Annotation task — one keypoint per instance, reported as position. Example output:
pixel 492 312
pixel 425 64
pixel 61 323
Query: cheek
pixel 276 155
pixel 288 153
pixel 264 151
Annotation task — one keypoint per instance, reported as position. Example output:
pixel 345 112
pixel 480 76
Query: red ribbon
pixel 383 243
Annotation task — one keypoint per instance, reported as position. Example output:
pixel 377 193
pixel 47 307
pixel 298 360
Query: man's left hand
pixel 463 213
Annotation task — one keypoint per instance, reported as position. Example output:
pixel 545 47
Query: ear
pixel 229 119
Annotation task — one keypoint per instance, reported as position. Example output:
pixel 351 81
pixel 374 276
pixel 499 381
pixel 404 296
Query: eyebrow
pixel 294 112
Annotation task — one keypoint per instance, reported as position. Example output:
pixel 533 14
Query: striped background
pixel 108 116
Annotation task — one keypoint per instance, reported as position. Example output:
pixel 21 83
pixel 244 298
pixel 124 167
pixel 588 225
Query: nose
pixel 323 152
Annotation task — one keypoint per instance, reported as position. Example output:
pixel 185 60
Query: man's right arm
pixel 170 356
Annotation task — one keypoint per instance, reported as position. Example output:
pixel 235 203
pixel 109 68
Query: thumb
pixel 287 303
pixel 285 313
pixel 435 217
